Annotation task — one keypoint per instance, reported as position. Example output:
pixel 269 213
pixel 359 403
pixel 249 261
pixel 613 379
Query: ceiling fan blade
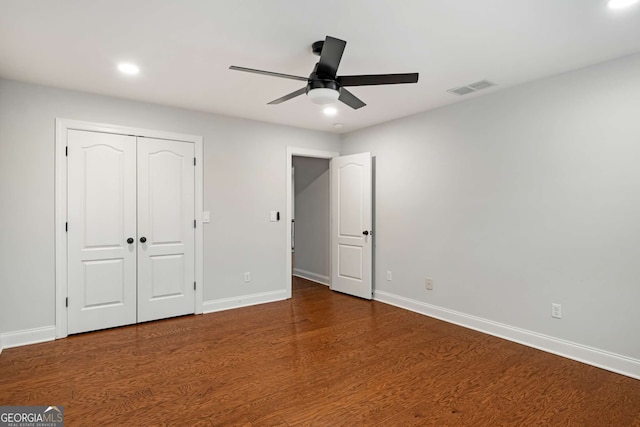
pixel 268 73
pixel 377 79
pixel 350 99
pixel 330 57
pixel 289 96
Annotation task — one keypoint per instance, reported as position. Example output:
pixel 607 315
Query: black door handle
pixel 130 240
pixel 143 239
pixel 365 232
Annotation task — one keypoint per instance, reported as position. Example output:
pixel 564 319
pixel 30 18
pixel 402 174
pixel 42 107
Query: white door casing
pixel 166 224
pixel 101 211
pixel 351 225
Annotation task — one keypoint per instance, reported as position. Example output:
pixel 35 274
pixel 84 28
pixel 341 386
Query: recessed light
pixel 619 4
pixel 330 111
pixel 128 68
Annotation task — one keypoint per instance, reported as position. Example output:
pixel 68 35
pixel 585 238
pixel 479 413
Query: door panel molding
pixel 63 126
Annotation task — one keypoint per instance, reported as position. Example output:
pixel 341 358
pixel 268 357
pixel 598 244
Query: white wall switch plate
pixel 389 276
pixel 273 216
pixel 556 311
pixel 247 277
pixel 206 217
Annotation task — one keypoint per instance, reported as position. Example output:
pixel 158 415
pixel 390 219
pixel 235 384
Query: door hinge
pixel 194 161
pixel 66 226
pixel 194 223
pixel 66 151
pixel 194 286
pixel 66 302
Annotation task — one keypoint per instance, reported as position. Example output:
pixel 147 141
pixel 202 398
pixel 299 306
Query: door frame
pixel 301 152
pixel 60 185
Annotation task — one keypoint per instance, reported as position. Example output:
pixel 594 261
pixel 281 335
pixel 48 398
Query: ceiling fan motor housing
pixel 316 83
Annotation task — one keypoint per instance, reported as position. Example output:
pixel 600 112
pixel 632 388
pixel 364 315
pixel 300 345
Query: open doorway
pixel 351 210
pixel 310 223
pixel 309 154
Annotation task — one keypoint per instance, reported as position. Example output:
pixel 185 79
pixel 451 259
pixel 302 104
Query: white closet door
pixel 101 217
pixel 166 234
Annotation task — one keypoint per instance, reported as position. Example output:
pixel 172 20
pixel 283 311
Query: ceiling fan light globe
pixel 323 96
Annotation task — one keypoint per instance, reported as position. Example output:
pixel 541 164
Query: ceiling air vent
pixel 472 87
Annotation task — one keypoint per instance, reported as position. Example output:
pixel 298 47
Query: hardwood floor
pixel 321 359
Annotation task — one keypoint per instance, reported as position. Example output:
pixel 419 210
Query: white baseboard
pixel 27 336
pixel 591 356
pixel 243 301
pixel 318 278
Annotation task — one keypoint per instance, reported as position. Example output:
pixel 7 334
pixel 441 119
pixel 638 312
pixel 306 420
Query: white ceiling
pixel 185 48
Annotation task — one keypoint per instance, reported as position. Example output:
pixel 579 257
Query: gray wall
pixel 518 199
pixel 244 178
pixel 312 218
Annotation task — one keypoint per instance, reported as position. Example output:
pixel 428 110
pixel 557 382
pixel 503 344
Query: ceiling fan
pixel 323 86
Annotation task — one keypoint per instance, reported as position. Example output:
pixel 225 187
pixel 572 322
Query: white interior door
pixel 351 230
pixel 166 232
pixel 101 217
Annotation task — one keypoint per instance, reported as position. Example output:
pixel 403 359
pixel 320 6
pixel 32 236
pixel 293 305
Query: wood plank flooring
pixel 319 359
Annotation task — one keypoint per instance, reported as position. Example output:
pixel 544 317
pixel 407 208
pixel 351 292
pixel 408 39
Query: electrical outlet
pixel 247 277
pixel 388 276
pixel 556 311
pixel 428 284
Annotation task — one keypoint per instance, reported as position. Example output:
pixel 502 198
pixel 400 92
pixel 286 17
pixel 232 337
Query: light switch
pixel 274 216
pixel 206 217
